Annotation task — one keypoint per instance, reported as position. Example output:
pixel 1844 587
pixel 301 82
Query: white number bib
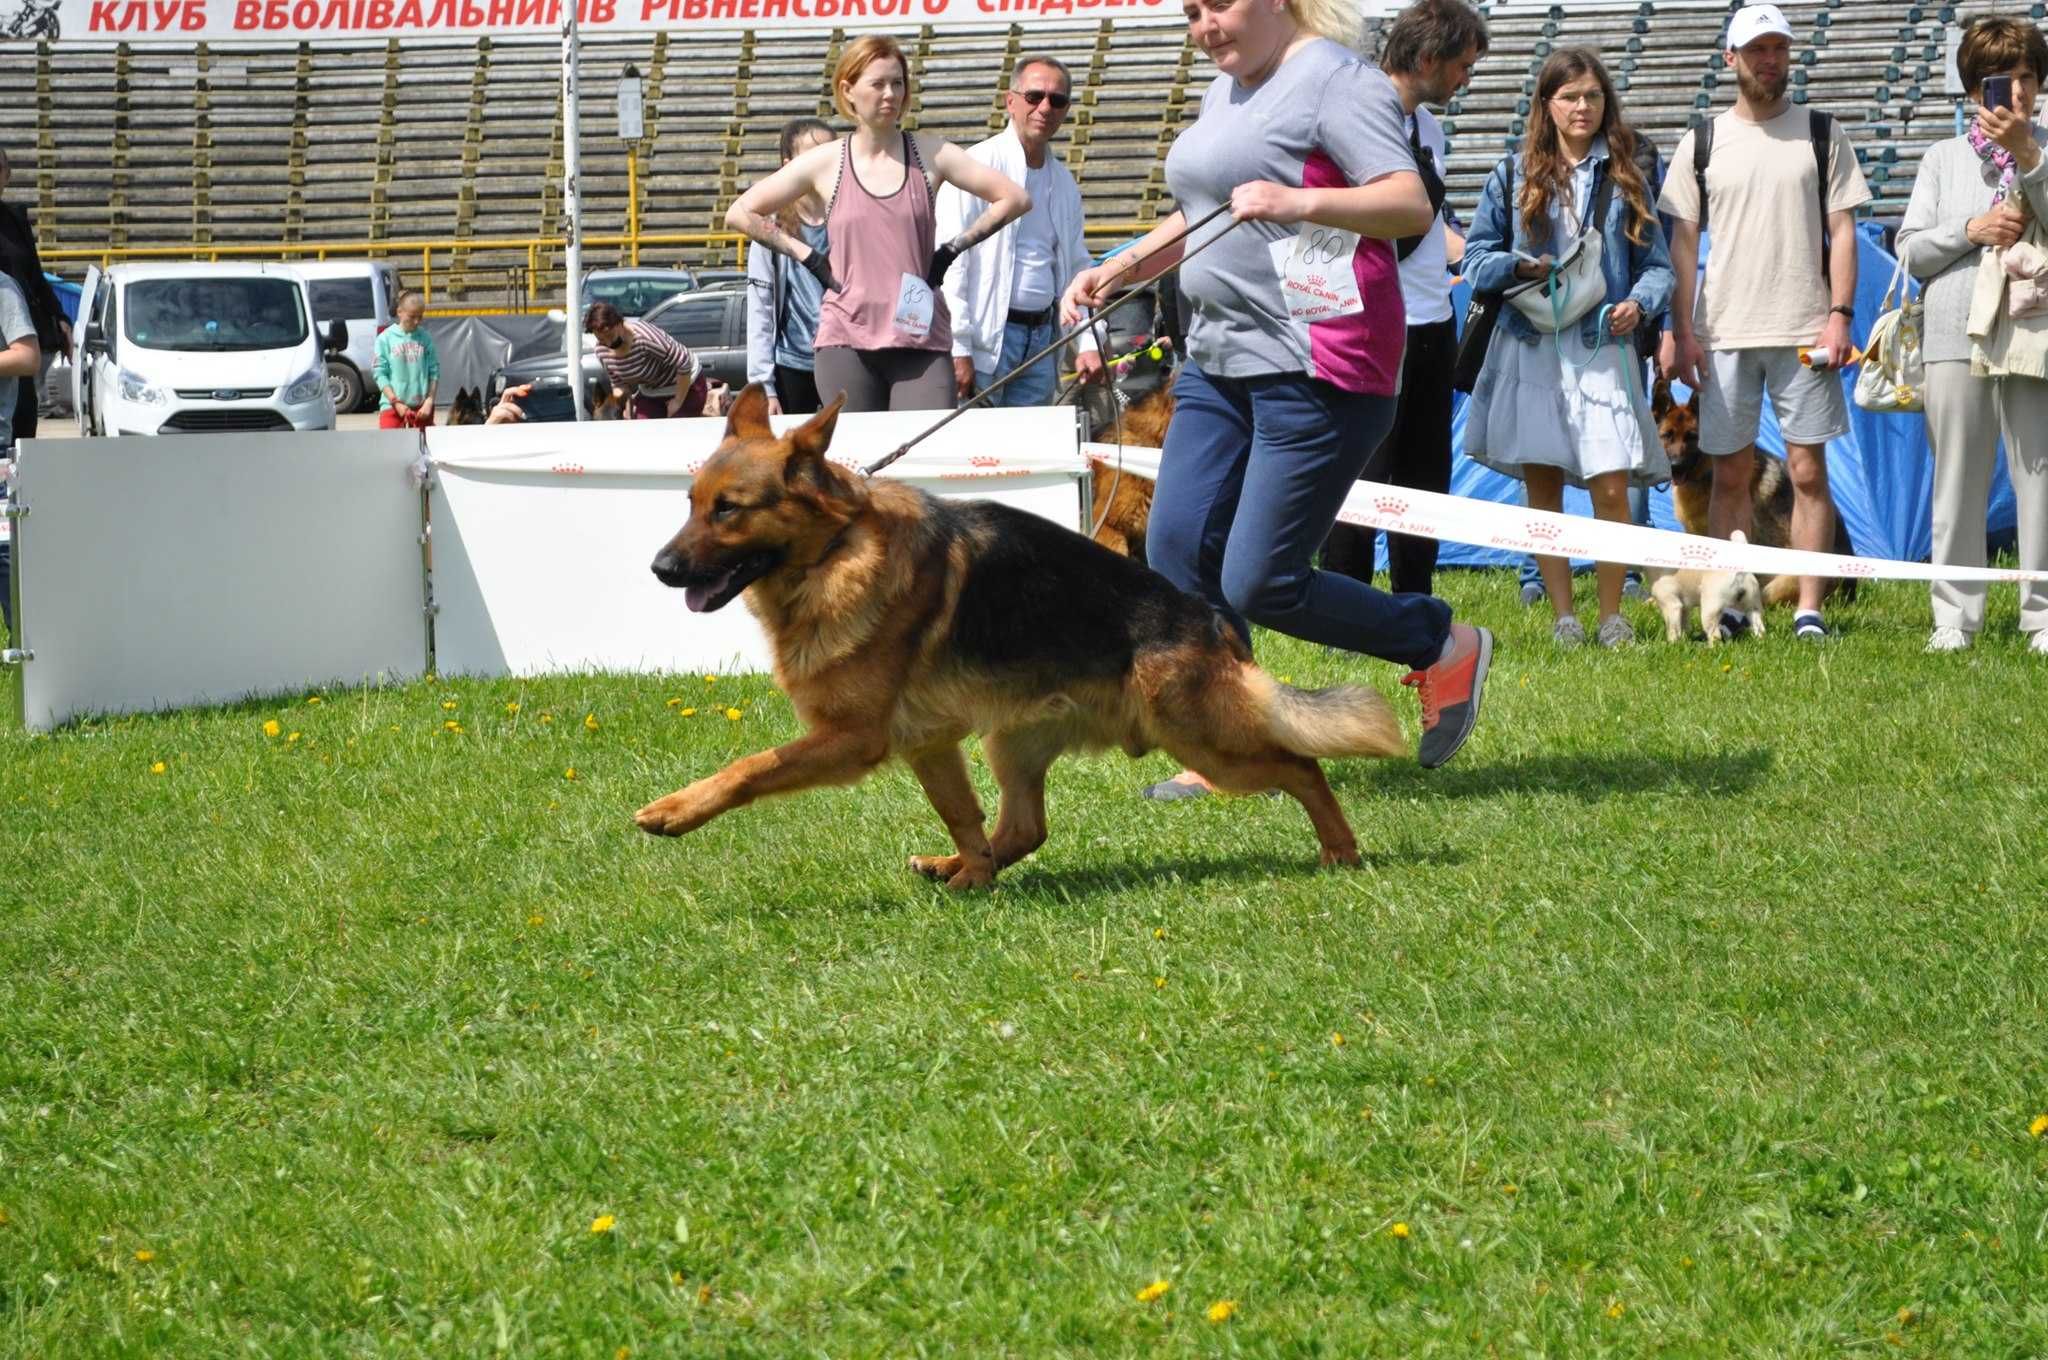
pixel 1316 275
pixel 913 309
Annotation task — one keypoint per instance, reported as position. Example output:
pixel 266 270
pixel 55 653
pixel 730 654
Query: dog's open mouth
pixel 706 591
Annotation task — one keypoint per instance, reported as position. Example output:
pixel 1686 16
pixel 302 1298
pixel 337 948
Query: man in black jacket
pixel 20 262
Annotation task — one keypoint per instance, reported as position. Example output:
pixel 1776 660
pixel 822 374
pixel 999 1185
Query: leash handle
pixel 1061 341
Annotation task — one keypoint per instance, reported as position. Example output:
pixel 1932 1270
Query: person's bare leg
pixel 1813 513
pixel 1544 488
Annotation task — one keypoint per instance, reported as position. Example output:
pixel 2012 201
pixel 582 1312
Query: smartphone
pixel 1997 92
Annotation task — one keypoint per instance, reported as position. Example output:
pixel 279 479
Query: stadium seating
pixel 461 140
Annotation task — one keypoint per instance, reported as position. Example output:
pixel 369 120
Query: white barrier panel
pixel 1461 519
pixel 544 534
pixel 158 572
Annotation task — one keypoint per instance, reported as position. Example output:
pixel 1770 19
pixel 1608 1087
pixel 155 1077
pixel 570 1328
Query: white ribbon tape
pixel 1426 514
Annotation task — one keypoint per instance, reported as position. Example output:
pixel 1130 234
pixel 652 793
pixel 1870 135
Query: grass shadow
pixel 1138 871
pixel 1589 778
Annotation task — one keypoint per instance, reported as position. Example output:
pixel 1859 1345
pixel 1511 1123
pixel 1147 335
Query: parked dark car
pixel 711 322
pixel 636 291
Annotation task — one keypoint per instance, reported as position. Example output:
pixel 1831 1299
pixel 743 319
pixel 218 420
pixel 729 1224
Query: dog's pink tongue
pixel 695 596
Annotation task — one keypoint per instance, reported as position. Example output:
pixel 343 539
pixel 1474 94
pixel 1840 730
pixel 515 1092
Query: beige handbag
pixel 1894 374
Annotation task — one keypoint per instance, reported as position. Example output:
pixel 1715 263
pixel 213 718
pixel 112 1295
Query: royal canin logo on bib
pixel 1390 505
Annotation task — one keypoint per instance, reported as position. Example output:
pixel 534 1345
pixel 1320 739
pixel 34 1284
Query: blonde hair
pixel 1336 20
pixel 859 55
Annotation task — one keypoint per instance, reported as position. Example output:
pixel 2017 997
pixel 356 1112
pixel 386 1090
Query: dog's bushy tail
pixel 1343 720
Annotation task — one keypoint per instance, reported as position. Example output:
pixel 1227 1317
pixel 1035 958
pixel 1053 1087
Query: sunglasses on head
pixel 1036 97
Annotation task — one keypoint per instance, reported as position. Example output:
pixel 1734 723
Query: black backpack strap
pixel 1603 200
pixel 1702 150
pixel 1821 128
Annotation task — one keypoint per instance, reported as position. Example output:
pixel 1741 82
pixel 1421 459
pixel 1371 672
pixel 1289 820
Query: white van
pixel 200 349
pixel 364 294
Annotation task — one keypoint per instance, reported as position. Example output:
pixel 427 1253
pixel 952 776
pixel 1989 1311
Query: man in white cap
pixel 1777 186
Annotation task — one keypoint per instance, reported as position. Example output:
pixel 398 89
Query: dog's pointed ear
pixel 808 442
pixel 749 416
pixel 1660 398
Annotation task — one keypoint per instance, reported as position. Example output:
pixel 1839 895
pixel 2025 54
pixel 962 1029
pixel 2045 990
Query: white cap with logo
pixel 1754 21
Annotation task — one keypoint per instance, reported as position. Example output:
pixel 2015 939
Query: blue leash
pixel 1602 322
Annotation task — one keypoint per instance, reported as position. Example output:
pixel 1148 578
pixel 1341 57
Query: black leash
pixel 996 386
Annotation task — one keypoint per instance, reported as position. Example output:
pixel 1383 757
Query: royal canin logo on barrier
pixel 568 469
pixel 1545 531
pixel 1390 505
pixel 1696 554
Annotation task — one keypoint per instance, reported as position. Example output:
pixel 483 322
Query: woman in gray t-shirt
pixel 1294 351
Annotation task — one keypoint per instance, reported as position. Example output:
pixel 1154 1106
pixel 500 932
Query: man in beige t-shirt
pixel 1765 296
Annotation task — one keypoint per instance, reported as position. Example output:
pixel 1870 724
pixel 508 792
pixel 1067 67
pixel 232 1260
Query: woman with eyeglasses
pixel 1569 406
pixel 650 368
pixel 1295 346
pixel 884 338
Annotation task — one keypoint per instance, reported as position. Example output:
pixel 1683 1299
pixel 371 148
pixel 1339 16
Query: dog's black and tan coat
pixel 901 624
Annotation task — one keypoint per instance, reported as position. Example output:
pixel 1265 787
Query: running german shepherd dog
pixel 901 623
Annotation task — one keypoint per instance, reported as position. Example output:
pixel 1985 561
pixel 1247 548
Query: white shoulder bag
pixel 1574 285
pixel 1894 375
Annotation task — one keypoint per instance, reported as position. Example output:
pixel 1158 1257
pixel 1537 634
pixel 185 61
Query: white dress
pixel 1585 413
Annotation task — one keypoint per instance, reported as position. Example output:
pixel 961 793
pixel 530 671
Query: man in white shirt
pixel 1428 53
pixel 1004 297
pixel 1780 286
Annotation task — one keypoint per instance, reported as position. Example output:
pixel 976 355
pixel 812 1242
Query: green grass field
pixel 1695 1009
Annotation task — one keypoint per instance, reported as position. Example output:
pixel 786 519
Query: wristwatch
pixel 1849 312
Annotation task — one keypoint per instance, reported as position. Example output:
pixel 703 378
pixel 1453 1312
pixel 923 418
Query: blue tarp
pixel 1882 473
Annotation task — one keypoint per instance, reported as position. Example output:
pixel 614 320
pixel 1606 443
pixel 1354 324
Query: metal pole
pixel 633 200
pixel 572 332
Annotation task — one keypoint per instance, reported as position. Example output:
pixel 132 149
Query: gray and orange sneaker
pixel 1450 689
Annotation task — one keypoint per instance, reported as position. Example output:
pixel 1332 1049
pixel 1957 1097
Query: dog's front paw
pixel 955 871
pixel 678 814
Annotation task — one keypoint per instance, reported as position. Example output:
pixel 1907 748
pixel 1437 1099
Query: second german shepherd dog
pixel 1770 493
pixel 900 624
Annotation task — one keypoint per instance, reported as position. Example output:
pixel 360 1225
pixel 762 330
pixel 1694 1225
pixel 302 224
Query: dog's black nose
pixel 669 568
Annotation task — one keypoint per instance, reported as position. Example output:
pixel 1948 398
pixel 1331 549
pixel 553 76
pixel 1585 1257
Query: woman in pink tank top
pixel 884 338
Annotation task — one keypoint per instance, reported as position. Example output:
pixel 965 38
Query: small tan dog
pixel 1713 593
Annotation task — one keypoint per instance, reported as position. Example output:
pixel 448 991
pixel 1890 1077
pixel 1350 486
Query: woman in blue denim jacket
pixel 1570 407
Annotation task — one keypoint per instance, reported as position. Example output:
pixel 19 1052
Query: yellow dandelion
pixel 144 1255
pixel 1159 932
pixel 734 714
pixel 603 1223
pixel 2039 1126
pixel 1510 1189
pixel 536 919
pixel 1286 679
pixel 622 1352
pixel 512 707
pixel 158 768
pixel 271 727
pixel 688 712
pixel 290 738
pixel 676 1278
pixel 545 717
pixel 312 700
pixel 1727 666
pixel 675 703
pixel 3 1218
pixel 703 1294
pixel 1906 1316
pixel 1158 982
pixel 1221 1310
pixel 1685 1263
pixel 1616 1309
pixel 710 679
pixel 1336 1040
pixel 1894 1339
pixel 1399 1230
pixel 447 703
pixel 1366 1114
pixel 1154 1291
pixel 569 773
pixel 590 722
pixel 451 726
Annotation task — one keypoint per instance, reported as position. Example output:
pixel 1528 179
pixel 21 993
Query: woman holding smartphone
pixel 1975 192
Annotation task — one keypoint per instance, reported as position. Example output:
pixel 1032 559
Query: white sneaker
pixel 1568 632
pixel 1616 631
pixel 1947 639
pixel 2038 642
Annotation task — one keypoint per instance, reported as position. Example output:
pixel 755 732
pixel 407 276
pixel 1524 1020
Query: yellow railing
pixel 428 252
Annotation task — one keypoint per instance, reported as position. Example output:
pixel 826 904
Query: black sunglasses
pixel 1036 97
